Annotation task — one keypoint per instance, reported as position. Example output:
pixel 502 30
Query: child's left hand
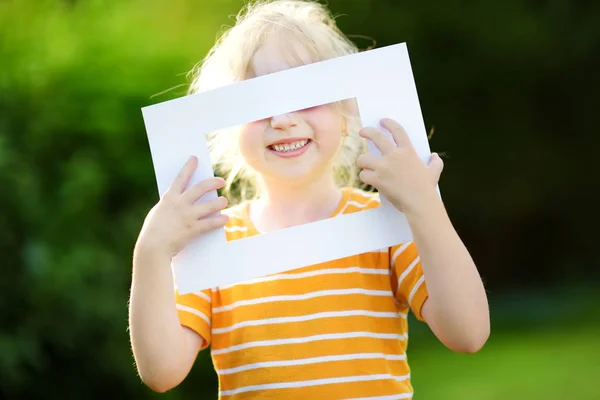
pixel 399 174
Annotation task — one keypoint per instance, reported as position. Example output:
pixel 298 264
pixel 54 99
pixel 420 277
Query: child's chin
pixel 294 177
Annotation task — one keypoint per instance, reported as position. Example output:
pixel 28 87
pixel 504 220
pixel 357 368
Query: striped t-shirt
pixel 336 330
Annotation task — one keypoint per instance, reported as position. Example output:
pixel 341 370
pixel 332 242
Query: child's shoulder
pixel 238 214
pixel 359 198
pixel 357 194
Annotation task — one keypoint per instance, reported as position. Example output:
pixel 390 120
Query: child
pixel 329 331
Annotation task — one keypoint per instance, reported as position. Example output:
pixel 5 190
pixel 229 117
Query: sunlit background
pixel 509 87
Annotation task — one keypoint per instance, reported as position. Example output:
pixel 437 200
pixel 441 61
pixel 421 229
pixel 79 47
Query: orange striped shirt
pixel 328 331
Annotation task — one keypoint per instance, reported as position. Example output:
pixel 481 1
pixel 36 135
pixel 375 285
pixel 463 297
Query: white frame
pixel 382 82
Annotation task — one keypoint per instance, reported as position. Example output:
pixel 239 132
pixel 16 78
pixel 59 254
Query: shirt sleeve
pixel 407 277
pixel 195 312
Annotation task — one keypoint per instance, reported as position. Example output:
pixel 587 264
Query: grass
pixel 557 363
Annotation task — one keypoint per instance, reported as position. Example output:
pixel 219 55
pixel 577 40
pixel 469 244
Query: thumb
pixel 436 166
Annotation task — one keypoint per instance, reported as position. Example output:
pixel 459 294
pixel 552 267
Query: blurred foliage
pixel 509 86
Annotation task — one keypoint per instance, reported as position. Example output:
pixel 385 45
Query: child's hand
pixel 175 219
pixel 399 174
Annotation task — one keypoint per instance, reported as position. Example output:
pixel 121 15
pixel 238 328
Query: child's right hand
pixel 175 220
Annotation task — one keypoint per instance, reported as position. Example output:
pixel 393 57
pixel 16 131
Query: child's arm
pixel 164 350
pixel 456 308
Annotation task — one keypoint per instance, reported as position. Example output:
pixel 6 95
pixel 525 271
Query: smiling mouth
pixel 289 147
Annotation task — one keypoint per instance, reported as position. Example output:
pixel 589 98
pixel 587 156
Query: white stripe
pixel 194 311
pixel 314 360
pixel 314 382
pixel 397 253
pixel 366 195
pixel 354 203
pixel 414 290
pixel 235 228
pixel 407 271
pixel 308 339
pixel 204 296
pixel 308 317
pixel 391 397
pixel 328 271
pixel 296 297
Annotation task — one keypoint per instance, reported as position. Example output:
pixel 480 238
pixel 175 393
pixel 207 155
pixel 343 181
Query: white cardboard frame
pixel 382 82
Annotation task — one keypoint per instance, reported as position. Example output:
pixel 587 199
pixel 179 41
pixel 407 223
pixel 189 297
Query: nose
pixel 283 121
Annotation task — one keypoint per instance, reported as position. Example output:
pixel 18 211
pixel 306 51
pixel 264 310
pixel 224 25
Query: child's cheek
pixel 324 119
pixel 250 140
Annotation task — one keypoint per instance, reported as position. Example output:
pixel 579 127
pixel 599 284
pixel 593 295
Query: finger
pixel 398 133
pixel 436 166
pixel 195 192
pixel 184 176
pixel 209 207
pixel 367 161
pixel 369 177
pixel 379 139
pixel 209 224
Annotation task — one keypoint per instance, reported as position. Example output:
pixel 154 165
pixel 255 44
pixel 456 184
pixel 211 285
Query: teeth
pixel 290 146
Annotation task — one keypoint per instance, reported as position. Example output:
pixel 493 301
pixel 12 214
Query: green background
pixel 510 88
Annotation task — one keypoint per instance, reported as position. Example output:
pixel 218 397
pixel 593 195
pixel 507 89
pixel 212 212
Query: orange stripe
pixel 194 301
pixel 322 370
pixel 307 284
pixel 405 258
pixel 231 236
pixel 331 391
pixel 401 263
pixel 352 208
pixel 196 323
pixel 310 306
pixel 409 281
pixel 306 328
pixel 418 301
pixel 319 348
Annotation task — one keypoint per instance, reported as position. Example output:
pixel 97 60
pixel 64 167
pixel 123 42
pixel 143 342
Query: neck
pixel 283 206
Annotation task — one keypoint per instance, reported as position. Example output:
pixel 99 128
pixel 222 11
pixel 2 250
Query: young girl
pixel 329 331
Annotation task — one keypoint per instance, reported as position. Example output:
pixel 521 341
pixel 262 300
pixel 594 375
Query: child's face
pixel 295 147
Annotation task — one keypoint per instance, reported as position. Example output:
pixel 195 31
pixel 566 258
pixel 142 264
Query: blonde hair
pixel 309 24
